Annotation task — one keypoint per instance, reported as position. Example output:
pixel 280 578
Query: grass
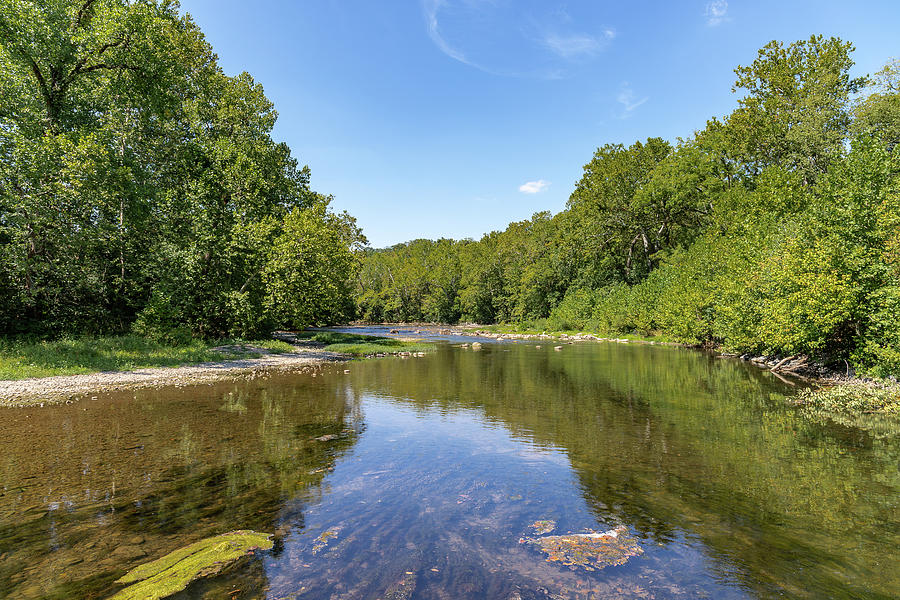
pixel 363 345
pixel 249 347
pixel 21 358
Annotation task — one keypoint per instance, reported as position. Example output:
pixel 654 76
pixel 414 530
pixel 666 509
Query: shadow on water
pixel 419 478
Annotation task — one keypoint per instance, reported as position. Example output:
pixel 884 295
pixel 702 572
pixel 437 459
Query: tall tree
pixel 796 111
pixel 878 113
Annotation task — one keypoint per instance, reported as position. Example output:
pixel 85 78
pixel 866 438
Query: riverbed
pixel 432 477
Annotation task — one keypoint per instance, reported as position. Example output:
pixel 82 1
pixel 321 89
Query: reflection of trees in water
pixel 443 527
pixel 670 442
pixel 131 479
pixel 674 442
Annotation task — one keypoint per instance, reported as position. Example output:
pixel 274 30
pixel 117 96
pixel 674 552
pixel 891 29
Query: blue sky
pixel 451 118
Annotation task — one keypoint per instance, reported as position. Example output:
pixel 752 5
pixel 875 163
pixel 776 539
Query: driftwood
pixel 792 368
pixel 781 362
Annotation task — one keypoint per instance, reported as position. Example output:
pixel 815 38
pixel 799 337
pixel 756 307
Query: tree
pixel 140 183
pixel 878 113
pixel 611 219
pixel 796 113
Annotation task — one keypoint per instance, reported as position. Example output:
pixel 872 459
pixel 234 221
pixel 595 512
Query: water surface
pixel 419 477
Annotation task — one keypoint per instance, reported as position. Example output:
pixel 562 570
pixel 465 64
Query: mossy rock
pixel 174 571
pixel 589 551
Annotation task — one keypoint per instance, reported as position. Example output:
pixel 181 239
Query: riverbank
pixel 63 388
pixel 67 370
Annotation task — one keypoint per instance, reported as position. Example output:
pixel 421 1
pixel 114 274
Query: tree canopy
pixel 141 185
pixel 775 229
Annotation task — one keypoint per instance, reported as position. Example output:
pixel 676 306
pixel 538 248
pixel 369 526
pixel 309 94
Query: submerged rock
pixel 542 527
pixel 590 551
pixel 174 571
pixel 325 537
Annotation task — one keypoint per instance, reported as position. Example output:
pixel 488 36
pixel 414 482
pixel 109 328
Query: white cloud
pixel 534 187
pixel 716 12
pixel 566 46
pixel 578 44
pixel 431 8
pixel 628 100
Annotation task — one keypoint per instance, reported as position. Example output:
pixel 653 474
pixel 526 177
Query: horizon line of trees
pixel 141 189
pixel 775 229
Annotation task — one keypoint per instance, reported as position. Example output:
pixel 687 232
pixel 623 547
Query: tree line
pixel 140 186
pixel 775 229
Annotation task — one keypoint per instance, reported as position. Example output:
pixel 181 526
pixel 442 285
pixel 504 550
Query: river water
pixel 432 477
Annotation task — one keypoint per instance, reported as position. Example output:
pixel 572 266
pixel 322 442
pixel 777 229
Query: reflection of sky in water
pixel 429 502
pixel 417 478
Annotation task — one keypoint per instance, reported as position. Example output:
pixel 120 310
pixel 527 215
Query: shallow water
pixel 430 472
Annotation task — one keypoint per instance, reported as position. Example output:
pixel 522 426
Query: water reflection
pixel 94 488
pixel 680 444
pixel 416 478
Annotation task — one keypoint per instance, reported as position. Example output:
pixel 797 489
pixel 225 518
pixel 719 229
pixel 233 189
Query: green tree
pixel 878 113
pixel 796 112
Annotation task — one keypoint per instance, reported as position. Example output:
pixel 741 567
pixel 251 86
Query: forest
pixel 775 229
pixel 141 189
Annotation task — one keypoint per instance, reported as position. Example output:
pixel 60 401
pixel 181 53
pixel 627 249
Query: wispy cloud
pixel 716 12
pixel 534 187
pixel 628 100
pixel 534 33
pixel 578 44
pixel 431 8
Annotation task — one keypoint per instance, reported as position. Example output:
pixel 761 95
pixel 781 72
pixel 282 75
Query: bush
pixel 162 322
pixel 575 311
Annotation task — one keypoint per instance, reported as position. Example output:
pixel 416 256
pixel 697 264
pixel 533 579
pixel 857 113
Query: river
pixel 432 477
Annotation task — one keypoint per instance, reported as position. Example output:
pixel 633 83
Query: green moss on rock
pixel 174 571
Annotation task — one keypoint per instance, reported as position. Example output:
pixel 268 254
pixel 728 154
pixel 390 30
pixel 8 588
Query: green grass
pixel 363 345
pixel 249 346
pixel 23 358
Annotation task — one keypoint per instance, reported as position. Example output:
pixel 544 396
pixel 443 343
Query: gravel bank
pixel 38 391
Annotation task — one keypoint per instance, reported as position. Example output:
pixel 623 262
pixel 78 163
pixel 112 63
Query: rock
pixel 542 527
pixel 174 571
pixel 476 345
pixel 395 331
pixel 557 348
pixel 590 551
pixel 325 537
